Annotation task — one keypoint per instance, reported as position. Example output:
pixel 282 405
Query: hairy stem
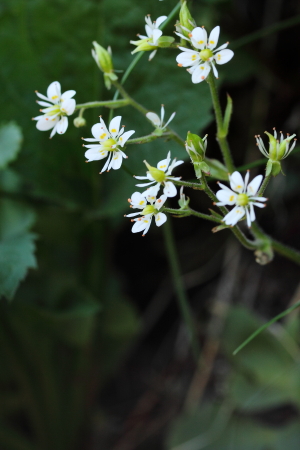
pixel 107 103
pixel 264 184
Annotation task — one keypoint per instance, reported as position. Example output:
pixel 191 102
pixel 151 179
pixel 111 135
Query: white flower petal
pixel 200 73
pixel 107 162
pixel 138 200
pixel 259 205
pixel 160 219
pixel 170 189
pixel 248 216
pixel 62 125
pixel 68 106
pixel 234 215
pixel 54 91
pixel 213 38
pixel 152 54
pixel 160 20
pixel 67 95
pixel 199 38
pixel 252 212
pixel 171 118
pixel 144 184
pixel 160 201
pixel 95 155
pixel 122 140
pixel 187 59
pixel 44 103
pixel 114 125
pixel 163 164
pixel 223 56
pixel 215 71
pixel 226 197
pixel 139 225
pixel 254 185
pixel 43 97
pixel 116 161
pixel 154 118
pixel 44 123
pixel 236 182
pixel 156 34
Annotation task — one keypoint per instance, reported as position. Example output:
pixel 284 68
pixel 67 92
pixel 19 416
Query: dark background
pixel 94 352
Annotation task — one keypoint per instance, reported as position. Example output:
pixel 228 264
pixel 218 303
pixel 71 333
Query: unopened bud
pixel 102 58
pixel 79 122
pixel 186 20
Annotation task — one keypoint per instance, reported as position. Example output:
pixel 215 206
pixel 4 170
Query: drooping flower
pixel 158 121
pixel 57 107
pixel 278 149
pixel 109 142
pixel 160 176
pixel 149 211
pixel 150 42
pixel 205 56
pixel 243 196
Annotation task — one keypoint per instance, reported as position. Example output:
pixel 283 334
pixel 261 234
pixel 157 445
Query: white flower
pixel 143 223
pixel 161 176
pixel 109 143
pixel 58 107
pixel 150 41
pixel 158 122
pixel 205 55
pixel 243 195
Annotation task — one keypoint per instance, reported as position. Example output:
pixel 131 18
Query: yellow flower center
pixel 242 200
pixel 107 145
pixel 206 54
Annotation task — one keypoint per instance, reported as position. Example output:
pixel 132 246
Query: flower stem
pixel 221 133
pixel 196 186
pixel 108 104
pixel 264 184
pixel 191 212
pixel 284 250
pixel 147 138
pixel 179 289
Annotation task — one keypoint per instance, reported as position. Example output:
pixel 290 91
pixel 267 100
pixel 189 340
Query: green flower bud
pixel 196 147
pixel 142 46
pixel 102 58
pixel 186 19
pixel 272 146
pixel 157 174
pixel 164 41
pixel 79 122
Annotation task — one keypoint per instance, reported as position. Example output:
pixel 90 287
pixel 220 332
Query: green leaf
pixel 10 143
pixel 217 169
pixel 16 257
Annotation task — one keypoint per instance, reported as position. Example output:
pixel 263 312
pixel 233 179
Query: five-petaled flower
pixel 205 56
pixel 150 42
pixel 149 211
pixel 109 142
pixel 57 107
pixel 161 176
pixel 243 196
pixel 158 121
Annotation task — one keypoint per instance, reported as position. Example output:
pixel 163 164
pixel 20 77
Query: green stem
pixel 221 133
pixel 179 289
pixel 191 212
pixel 284 250
pixel 196 186
pixel 264 184
pixel 146 139
pixel 108 104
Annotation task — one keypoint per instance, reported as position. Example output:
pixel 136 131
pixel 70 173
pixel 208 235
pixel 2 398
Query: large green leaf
pixel 10 143
pixel 16 245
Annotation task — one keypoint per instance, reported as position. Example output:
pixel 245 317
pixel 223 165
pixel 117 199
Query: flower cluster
pixel 57 107
pixel 205 55
pixel 159 176
pixel 243 196
pixel 109 143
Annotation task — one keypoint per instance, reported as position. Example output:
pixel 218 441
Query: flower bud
pixel 79 122
pixel 183 201
pixel 196 147
pixel 272 146
pixel 102 58
pixel 186 20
